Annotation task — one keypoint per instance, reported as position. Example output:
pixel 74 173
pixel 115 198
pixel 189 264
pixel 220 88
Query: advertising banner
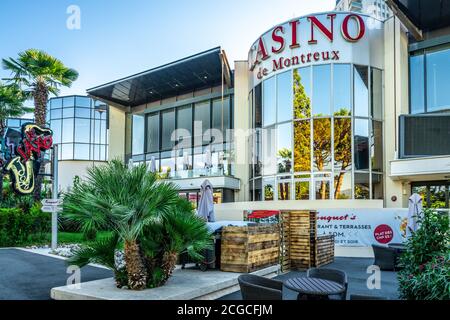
pixel 363 227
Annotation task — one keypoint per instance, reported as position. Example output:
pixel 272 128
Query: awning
pixel 196 72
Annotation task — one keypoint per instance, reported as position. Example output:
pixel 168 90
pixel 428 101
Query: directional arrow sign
pixel 52 202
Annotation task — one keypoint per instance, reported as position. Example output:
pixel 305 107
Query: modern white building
pixel 375 8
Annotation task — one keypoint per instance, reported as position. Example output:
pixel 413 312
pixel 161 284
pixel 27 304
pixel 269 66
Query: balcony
pixel 424 148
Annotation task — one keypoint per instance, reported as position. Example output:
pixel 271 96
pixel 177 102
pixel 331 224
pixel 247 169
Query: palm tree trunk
pixel 168 264
pixel 40 114
pixel 137 273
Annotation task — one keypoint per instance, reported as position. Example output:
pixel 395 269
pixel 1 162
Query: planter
pixel 250 248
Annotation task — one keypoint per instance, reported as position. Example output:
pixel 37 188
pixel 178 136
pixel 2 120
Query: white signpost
pixel 53 205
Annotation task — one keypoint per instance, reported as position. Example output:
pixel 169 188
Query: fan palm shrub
pixel 148 220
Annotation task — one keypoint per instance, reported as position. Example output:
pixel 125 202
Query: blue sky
pixel 122 37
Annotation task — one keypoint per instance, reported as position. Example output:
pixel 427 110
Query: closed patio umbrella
pixel 185 161
pixel 206 205
pixel 152 165
pixel 414 210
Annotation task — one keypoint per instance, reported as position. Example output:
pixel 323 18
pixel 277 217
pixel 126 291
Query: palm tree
pixel 142 213
pixel 39 74
pixel 11 105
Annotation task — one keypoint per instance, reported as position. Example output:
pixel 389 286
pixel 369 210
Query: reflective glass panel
pixel 302 189
pixel 82 112
pixel 362 186
pixel 68 112
pixel 184 126
pixel 417 84
pixel 302 146
pixel 67 132
pixel 284 96
pixel 67 151
pixel 321 90
pixel 81 151
pixel 56 128
pixel 83 102
pixel 342 101
pixel 269 151
pixel 268 189
pixel 343 185
pixel 322 189
pixel 56 103
pixel 376 94
pixel 284 188
pixel 168 128
pixel 322 144
pixel 302 93
pixel 153 132
pixel 137 134
pixel 438 79
pixel 377 186
pixel 361 152
pixel 284 147
pixel 221 116
pixel 269 101
pixel 258 189
pixel 55 114
pixel 68 102
pixel 342 143
pixel 258 106
pixel 361 91
pixel 377 146
pixel 202 123
pixel 82 130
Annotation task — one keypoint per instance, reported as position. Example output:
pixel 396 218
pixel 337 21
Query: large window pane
pixel 221 118
pixel 342 143
pixel 284 96
pixel 322 189
pixel 67 132
pixel 167 165
pixel 361 151
pixel 438 79
pixel 168 127
pixel 56 128
pixel 83 113
pixel 377 146
pixel 376 94
pixel 81 151
pixel 153 132
pixel 202 113
pixel 321 90
pixel 83 102
pixel 55 114
pixel 417 85
pixel 284 147
pixel 103 132
pixel 302 146
pixel 68 112
pixel 269 151
pixel 342 101
pixel 377 186
pixel 82 130
pixel 302 187
pixel 137 134
pixel 67 151
pixel 258 189
pixel 258 106
pixel 361 91
pixel 258 152
pixel 322 144
pixel 362 186
pixel 302 93
pixel 68 102
pixel 343 185
pixel 269 101
pixel 56 103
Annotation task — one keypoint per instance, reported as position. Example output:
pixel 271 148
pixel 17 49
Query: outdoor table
pixel 318 288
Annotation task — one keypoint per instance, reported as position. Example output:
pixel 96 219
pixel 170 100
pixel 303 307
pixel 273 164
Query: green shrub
pixel 426 262
pixel 17 226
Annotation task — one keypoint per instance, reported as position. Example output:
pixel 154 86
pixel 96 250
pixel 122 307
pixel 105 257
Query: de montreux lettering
pixel 262 51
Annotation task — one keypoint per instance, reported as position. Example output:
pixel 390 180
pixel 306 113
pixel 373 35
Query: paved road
pixel 30 276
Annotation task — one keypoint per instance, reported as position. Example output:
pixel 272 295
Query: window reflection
pixel 302 146
pixel 342 89
pixel 67 133
pixel 417 84
pixel 82 130
pixel 202 118
pixel 377 186
pixel 362 186
pixel 284 97
pixel 342 143
pixel 81 151
pixel 55 125
pixel 153 132
pixel 137 134
pixel 284 150
pixel 284 188
pixel 302 93
pixel 377 146
pixel 438 73
pixel 361 91
pixel 376 93
pixel 321 90
pixel 322 188
pixel 168 128
pixel 343 185
pixel 221 116
pixel 269 161
pixel 268 188
pixel 269 101
pixel 322 144
pixel 302 187
pixel 361 152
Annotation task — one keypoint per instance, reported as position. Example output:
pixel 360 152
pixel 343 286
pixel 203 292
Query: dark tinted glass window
pixel 168 127
pixel 153 133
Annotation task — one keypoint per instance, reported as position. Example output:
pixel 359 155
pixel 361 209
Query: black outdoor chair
pixel 365 297
pixel 385 257
pixel 260 288
pixel 332 275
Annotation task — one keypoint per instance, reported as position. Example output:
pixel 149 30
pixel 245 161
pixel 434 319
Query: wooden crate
pixel 300 246
pixel 250 248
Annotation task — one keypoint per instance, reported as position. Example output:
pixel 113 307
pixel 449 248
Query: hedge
pixel 17 227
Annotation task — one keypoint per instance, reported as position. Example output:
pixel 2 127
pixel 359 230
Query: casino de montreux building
pixel 326 105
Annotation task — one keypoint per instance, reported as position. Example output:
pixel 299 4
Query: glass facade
pixel 320 137
pixel 429 76
pixel 186 141
pixel 79 127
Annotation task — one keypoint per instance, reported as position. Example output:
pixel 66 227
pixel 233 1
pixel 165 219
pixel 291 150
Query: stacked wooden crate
pixel 250 248
pixel 303 249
